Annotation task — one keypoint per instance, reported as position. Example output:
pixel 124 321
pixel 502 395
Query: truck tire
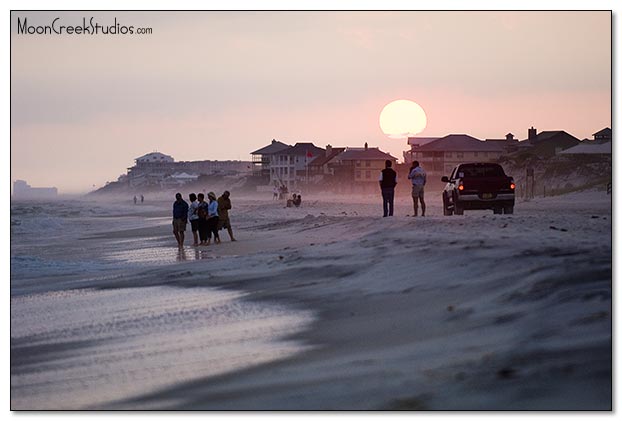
pixel 508 210
pixel 458 209
pixel 447 211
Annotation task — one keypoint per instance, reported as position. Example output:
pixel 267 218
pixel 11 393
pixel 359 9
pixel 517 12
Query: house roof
pixel 550 134
pixel 419 141
pixel 461 143
pixel 273 147
pixel 302 149
pixel 323 159
pixel 154 156
pixel 363 154
pixel 604 132
pixel 589 148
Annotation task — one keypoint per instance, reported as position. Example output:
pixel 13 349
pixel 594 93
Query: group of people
pixel 388 181
pixel 279 192
pixel 142 199
pixel 296 200
pixel 206 217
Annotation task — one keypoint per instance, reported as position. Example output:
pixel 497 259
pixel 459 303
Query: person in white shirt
pixel 193 217
pixel 417 177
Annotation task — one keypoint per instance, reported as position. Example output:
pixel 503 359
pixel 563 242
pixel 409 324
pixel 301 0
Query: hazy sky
pixel 218 85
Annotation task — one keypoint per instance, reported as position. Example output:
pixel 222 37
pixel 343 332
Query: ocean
pixel 79 343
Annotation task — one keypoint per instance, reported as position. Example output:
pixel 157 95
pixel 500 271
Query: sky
pixel 218 85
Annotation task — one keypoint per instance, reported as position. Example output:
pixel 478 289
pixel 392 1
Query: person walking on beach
pixel 224 204
pixel 135 199
pixel 417 177
pixel 180 218
pixel 212 218
pixel 142 198
pixel 193 217
pixel 387 181
pixel 275 193
pixel 202 214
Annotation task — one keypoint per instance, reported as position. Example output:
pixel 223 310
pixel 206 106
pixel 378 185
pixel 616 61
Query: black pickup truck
pixel 480 185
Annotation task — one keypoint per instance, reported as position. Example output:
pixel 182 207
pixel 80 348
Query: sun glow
pixel 402 118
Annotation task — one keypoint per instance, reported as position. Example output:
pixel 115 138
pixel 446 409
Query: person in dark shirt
pixel 224 205
pixel 387 181
pixel 180 219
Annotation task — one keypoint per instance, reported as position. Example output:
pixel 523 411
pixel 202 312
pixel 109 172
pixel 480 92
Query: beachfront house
pixel 261 158
pixel 547 143
pixel 440 156
pixel 288 167
pixel 358 169
pixel 602 136
pixel 415 143
pixel 319 168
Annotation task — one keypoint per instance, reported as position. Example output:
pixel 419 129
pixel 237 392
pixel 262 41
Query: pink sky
pixel 218 85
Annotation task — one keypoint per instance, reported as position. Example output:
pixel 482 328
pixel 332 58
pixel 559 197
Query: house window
pixel 459 154
pixel 367 163
pixel 368 174
pixel 475 154
pixel 447 154
pixel 357 163
pixel 357 175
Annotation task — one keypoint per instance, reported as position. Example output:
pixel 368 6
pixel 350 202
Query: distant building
pixel 548 143
pixel 440 156
pixel 415 143
pixel 359 168
pixel 591 148
pixel 319 166
pixel 288 166
pixel 22 190
pixel 603 136
pixel 157 169
pixel 261 157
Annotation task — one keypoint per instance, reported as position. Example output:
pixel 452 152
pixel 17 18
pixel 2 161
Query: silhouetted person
pixel 202 213
pixel 417 177
pixel 212 218
pixel 135 199
pixel 142 198
pixel 387 181
pixel 297 200
pixel 193 217
pixel 290 202
pixel 224 204
pixel 180 218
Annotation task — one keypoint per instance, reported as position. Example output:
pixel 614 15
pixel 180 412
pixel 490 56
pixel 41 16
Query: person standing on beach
pixel 212 218
pixel 142 198
pixel 224 204
pixel 135 199
pixel 417 177
pixel 387 181
pixel 180 218
pixel 202 214
pixel 193 217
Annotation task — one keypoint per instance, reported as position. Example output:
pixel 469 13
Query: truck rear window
pixel 474 171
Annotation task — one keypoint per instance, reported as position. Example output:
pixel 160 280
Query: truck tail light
pixel 512 186
pixel 460 186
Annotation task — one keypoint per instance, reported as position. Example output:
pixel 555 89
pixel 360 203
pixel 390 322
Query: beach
pixel 324 307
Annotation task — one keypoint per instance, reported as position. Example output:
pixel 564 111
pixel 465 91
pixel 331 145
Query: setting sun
pixel 402 118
